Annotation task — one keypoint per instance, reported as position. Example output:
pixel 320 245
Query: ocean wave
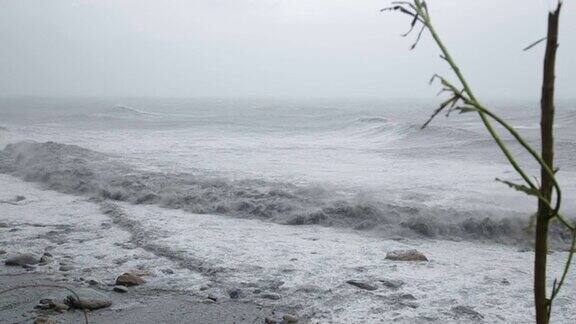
pixel 129 110
pixel 76 170
pixel 371 120
pixel 378 129
pixel 565 118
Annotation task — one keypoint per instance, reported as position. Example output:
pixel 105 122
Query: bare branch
pixel 418 38
pixel 535 43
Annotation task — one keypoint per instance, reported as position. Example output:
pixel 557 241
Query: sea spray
pixel 75 170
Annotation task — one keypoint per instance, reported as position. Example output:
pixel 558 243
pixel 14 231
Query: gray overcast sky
pixel 279 48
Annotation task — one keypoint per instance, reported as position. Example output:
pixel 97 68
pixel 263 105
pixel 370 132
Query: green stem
pixel 532 152
pixel 566 267
pixel 470 99
pixel 468 91
pixel 482 111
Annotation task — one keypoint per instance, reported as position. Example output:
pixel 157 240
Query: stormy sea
pixel 288 200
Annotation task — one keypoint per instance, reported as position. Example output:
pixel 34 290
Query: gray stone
pixel 212 297
pixel 392 284
pixel 406 255
pixel 65 268
pixel 2 252
pixel 93 282
pixel 3 225
pixel 22 260
pixel 467 312
pixel 288 318
pixel 235 293
pixel 407 297
pixel 44 260
pixel 168 271
pixel 120 289
pixel 269 320
pixel 89 299
pixel 361 284
pixel 271 296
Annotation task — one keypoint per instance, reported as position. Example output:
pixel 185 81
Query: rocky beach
pixel 132 268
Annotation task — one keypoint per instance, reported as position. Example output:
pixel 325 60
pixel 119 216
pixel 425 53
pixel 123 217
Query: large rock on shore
pixel 22 260
pixel 406 255
pixel 129 280
pixel 88 299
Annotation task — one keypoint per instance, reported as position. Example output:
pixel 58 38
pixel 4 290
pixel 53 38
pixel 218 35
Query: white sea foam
pixel 306 266
pixel 75 170
pixel 243 192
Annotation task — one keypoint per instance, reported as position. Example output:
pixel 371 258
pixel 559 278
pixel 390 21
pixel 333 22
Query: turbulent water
pixel 359 164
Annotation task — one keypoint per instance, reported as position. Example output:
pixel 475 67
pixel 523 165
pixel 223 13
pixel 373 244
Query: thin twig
pixel 419 11
pixel 535 43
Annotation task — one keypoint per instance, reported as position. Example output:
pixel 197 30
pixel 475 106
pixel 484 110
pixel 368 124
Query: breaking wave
pixel 75 170
pixel 380 129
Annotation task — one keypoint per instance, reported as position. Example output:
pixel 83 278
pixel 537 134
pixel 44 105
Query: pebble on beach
pixel 128 280
pixel 22 260
pixel 406 255
pixel 362 284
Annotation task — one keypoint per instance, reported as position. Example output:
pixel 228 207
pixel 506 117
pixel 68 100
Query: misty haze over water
pixel 261 160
